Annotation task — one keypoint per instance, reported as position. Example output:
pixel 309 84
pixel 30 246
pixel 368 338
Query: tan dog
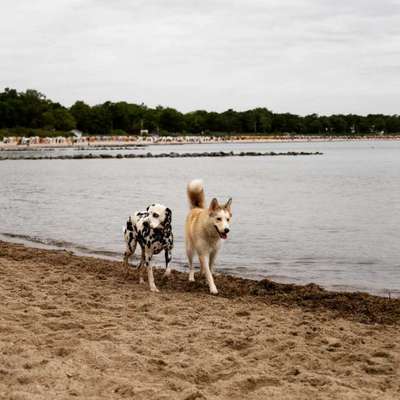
pixel 205 227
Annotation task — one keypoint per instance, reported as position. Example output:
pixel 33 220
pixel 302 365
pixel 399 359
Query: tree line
pixel 32 110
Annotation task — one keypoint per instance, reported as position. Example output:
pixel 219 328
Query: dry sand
pixel 71 327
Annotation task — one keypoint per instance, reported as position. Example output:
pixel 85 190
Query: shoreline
pixel 182 140
pixel 181 266
pixel 358 306
pixel 71 326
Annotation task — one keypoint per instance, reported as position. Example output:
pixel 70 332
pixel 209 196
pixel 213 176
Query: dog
pixel 152 229
pixel 204 229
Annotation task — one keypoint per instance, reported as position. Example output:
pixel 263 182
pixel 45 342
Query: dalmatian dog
pixel 152 230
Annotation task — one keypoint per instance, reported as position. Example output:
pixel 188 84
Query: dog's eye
pixel 219 219
pixel 155 215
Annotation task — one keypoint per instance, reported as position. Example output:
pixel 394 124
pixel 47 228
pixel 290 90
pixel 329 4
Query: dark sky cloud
pixel 300 56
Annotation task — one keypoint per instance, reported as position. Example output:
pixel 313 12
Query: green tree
pixel 171 120
pixel 34 105
pixel 100 120
pixel 31 109
pixel 338 124
pixel 60 119
pixel 82 114
pixel 263 120
pixel 196 121
pixel 313 125
pixel 393 124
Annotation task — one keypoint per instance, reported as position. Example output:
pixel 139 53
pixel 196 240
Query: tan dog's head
pixel 221 216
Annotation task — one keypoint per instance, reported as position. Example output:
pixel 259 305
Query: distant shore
pixel 72 326
pixel 87 142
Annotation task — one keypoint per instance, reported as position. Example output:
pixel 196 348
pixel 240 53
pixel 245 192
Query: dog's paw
pixel 213 290
pixel 154 290
pixel 167 273
pixel 141 281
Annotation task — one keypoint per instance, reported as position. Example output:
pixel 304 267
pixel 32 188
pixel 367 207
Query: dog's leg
pixel 133 246
pixel 141 268
pixel 213 256
pixel 210 280
pixel 167 261
pixel 130 241
pixel 189 252
pixel 150 276
pixel 128 253
pixel 126 263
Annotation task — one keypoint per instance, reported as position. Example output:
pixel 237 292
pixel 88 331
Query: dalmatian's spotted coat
pixel 152 229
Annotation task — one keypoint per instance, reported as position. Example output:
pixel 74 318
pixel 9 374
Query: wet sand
pixel 72 327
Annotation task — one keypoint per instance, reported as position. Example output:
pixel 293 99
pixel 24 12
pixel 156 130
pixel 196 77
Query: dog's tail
pixel 195 192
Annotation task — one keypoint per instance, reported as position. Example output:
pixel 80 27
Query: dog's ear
pixel 213 205
pixel 152 205
pixel 228 204
pixel 167 222
pixel 168 216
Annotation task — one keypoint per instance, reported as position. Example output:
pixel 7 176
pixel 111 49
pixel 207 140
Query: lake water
pixel 333 219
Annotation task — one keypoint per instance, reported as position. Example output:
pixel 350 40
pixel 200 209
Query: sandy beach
pixel 72 327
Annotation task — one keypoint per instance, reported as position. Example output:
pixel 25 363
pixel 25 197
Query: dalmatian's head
pixel 159 216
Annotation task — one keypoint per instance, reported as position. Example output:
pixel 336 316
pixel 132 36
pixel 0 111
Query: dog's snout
pixel 226 230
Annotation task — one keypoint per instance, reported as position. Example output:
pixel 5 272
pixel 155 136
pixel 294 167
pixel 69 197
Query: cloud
pixel 299 56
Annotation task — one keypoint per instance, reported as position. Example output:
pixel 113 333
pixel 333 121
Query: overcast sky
pixel 299 56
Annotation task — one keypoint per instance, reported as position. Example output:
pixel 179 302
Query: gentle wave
pixel 60 244
pixel 76 248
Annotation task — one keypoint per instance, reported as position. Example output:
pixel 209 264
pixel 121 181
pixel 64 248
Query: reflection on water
pixel 332 219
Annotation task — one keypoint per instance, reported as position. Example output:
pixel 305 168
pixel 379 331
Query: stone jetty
pixel 161 155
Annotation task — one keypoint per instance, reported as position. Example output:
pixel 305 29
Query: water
pixel 332 219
